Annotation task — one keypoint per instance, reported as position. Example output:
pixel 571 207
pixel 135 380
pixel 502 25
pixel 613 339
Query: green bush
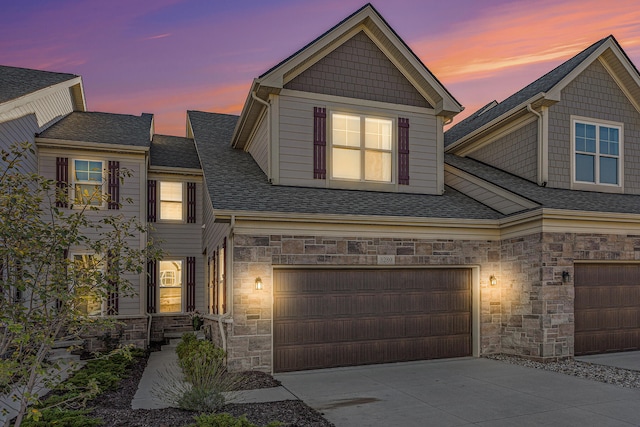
pixel 58 417
pixel 226 420
pixel 193 352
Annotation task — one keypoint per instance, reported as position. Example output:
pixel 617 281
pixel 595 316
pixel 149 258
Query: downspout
pixel 149 318
pixel 268 105
pixel 541 179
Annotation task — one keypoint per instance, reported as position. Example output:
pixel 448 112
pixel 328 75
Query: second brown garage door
pixel 607 308
pixel 329 318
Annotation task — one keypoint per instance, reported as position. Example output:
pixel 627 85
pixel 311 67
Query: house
pixel 335 222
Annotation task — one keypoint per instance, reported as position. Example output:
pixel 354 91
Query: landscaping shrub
pixel 57 417
pixel 206 378
pixel 226 420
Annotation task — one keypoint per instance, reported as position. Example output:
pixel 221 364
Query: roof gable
pixel 17 82
pixel 366 20
pixel 548 90
pixel 359 69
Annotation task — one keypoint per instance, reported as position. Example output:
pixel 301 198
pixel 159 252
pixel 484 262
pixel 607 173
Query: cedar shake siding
pixel 515 153
pixel 593 94
pixel 358 69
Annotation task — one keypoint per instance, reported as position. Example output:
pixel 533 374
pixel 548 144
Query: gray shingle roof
pixel 548 197
pixel 16 82
pixel 543 84
pixel 236 182
pixel 174 151
pixel 106 128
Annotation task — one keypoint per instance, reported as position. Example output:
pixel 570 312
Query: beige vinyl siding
pixel 179 239
pixel 516 152
pixel 21 123
pixel 296 143
pixel 593 94
pixel 259 145
pixel 130 188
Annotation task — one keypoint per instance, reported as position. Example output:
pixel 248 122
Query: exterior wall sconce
pixel 258 284
pixel 493 280
pixel 565 277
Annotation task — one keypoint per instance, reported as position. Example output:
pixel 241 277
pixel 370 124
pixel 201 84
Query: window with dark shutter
pixel 191 202
pixel 191 283
pixel 114 185
pixel 319 143
pixel 151 200
pixel 62 182
pixel 152 280
pixel 403 151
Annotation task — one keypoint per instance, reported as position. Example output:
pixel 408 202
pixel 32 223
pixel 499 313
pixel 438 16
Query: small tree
pixel 44 294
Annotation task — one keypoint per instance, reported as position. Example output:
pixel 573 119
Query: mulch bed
pixel 114 407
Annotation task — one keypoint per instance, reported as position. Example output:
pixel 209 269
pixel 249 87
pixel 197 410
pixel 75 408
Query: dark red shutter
pixel 403 151
pixel 112 299
pixel 191 202
pixel 62 182
pixel 114 185
pixel 223 268
pixel 319 143
pixel 191 283
pixel 151 200
pixel 152 280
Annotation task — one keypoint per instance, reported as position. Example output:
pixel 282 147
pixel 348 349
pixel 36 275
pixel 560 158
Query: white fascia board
pixel 89 146
pixel 30 97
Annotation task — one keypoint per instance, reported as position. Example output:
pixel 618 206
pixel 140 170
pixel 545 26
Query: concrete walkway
pixel 626 360
pixel 461 392
pixel 162 371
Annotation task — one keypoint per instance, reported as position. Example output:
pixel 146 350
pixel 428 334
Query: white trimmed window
pixel 361 148
pixel 171 279
pixel 88 182
pixel 597 148
pixel 171 201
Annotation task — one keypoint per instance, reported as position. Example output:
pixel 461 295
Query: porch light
pixel 493 280
pixel 565 276
pixel 258 284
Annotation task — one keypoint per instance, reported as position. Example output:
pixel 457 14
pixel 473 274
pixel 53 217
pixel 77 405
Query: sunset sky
pixel 168 56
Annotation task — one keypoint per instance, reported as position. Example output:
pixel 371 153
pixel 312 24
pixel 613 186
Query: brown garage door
pixel 329 318
pixel 607 308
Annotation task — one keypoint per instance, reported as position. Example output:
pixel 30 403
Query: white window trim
pixel 183 288
pixel 588 186
pixel 362 184
pixel 183 220
pixel 103 203
pixel 101 265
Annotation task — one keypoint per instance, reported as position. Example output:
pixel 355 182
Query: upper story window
pixel 597 150
pixel 171 201
pixel 361 148
pixel 87 182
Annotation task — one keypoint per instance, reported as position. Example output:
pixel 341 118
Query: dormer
pixel 354 109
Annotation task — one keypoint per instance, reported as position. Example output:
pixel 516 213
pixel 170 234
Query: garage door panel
pixel 353 317
pixel 607 308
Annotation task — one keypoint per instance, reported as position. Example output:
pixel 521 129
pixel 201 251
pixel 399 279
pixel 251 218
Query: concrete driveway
pixel 461 392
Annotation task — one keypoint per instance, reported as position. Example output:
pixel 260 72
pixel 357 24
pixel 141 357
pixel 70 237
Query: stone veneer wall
pixel 529 312
pixel 250 336
pixel 130 331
